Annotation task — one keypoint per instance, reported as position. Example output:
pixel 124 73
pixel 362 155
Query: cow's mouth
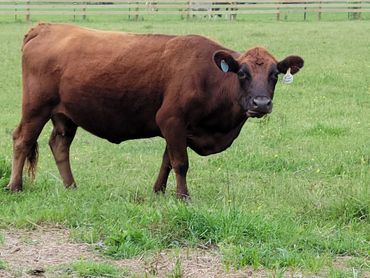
pixel 255 114
pixel 258 106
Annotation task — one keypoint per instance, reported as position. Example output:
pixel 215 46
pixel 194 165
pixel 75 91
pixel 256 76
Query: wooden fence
pixel 185 9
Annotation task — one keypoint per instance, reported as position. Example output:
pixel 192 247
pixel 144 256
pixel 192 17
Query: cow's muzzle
pixel 259 106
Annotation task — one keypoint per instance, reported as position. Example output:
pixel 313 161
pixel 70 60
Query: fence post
pixel 84 10
pixel 184 12
pixel 354 14
pixel 129 10
pixel 15 12
pixel 74 11
pixel 136 10
pixel 233 16
pixel 319 13
pixel 189 10
pixel 28 14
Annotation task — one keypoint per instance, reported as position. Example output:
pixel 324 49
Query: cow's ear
pixel 225 62
pixel 295 63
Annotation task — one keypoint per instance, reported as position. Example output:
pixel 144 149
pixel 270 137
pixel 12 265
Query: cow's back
pixel 69 48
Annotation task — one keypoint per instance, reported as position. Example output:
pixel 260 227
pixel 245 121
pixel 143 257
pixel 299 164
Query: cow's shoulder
pixel 192 74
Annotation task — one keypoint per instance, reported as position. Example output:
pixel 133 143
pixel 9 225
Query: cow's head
pixel 257 71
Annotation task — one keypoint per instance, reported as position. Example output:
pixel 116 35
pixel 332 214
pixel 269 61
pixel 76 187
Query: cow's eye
pixel 274 75
pixel 244 74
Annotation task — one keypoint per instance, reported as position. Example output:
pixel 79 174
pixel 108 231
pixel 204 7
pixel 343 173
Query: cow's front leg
pixel 161 182
pixel 174 132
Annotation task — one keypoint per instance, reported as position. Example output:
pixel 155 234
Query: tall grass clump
pixel 4 172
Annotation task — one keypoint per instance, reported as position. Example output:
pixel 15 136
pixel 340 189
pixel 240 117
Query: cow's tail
pixel 32 158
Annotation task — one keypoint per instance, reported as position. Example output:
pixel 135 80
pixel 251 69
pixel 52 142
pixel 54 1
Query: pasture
pixel 291 195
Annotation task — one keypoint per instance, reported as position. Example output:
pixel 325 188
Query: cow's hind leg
pixel 60 141
pixel 25 147
pixel 174 131
pixel 161 183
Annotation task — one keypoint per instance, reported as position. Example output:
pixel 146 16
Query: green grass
pixel 2 265
pixel 84 268
pixel 291 193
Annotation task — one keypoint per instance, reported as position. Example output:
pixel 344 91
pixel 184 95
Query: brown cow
pixel 189 90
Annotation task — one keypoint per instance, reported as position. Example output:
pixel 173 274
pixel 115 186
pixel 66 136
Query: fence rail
pixel 183 8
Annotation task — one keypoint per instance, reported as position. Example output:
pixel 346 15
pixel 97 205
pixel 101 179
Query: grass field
pixel 292 192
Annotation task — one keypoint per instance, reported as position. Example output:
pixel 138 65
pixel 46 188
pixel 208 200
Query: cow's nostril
pixel 261 102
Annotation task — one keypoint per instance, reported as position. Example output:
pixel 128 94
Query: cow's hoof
pixel 183 197
pixel 159 190
pixel 71 186
pixel 13 188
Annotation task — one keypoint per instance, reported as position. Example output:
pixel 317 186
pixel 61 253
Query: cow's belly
pixel 206 144
pixel 113 118
pixel 206 141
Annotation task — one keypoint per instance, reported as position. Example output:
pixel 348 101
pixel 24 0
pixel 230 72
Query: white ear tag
pixel 224 66
pixel 288 77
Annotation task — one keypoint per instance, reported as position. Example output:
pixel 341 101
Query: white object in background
pixel 288 77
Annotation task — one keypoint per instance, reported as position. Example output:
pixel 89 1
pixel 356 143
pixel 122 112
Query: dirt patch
pixel 47 252
pixel 39 252
pixel 25 250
